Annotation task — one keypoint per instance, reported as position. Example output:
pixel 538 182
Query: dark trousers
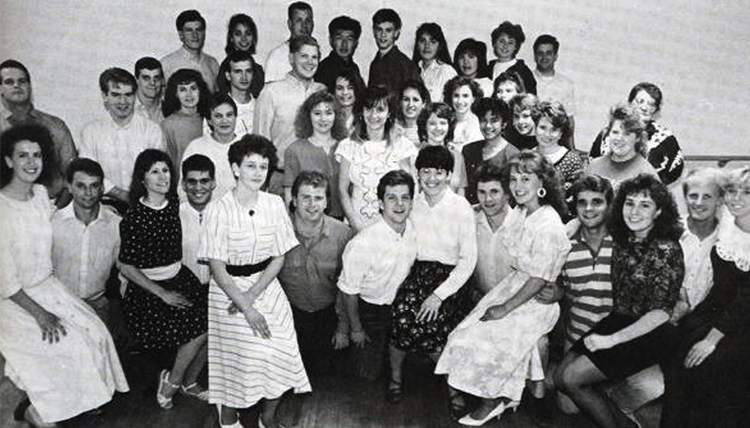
pixel 314 334
pixel 369 361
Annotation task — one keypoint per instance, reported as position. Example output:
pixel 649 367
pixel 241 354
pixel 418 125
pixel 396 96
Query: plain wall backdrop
pixel 696 51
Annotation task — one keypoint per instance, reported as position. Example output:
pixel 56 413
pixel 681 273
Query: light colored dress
pixel 244 368
pixel 82 370
pixel 368 162
pixel 492 359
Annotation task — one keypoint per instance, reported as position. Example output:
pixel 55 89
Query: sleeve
pixel 291 165
pixel 116 247
pixel 156 138
pixel 665 274
pixel 528 77
pixel 666 158
pixel 467 253
pixel 259 80
pixel 355 265
pixel 285 237
pixel 596 146
pixel 460 169
pixel 131 248
pixel 169 142
pixel 64 144
pixel 9 281
pixel 345 150
pixel 88 149
pixel 264 111
pixel 549 250
pixel 403 148
pixel 213 238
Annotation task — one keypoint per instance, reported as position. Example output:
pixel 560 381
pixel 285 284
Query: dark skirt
pixel 422 337
pixel 627 358
pixel 157 325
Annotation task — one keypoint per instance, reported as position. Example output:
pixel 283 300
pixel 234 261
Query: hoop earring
pixel 541 192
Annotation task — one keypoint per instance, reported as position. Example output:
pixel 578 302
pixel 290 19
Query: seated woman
pixel 319 132
pixel 164 303
pixel 506 86
pixel 662 149
pixel 647 269
pixel 254 354
pixel 56 348
pixel 435 125
pixel 470 60
pixel 433 58
pixel 412 98
pixel 185 106
pixel 494 116
pixel 707 382
pixel 494 350
pixel 429 303
pixel 367 155
pixel 552 128
pixel 462 93
pixel 507 39
pixel 522 135
pixel 627 142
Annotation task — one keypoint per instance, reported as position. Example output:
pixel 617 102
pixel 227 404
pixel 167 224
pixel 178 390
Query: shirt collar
pixel 69 213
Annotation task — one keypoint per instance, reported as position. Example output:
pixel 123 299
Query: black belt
pixel 248 270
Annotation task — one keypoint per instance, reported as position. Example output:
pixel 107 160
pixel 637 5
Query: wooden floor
pixel 337 400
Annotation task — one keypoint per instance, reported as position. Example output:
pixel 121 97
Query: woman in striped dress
pixel 252 346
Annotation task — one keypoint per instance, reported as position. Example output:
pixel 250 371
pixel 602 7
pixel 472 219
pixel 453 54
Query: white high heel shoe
pixel 496 412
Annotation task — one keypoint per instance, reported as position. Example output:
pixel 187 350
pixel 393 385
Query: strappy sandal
pixel 194 390
pixel 395 393
pixel 457 406
pixel 164 401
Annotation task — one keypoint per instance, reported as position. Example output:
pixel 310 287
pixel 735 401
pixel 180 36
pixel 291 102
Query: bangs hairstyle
pixel 434 31
pixel 666 226
pixel 143 163
pixel 387 15
pixel 254 144
pixel 531 162
pixel 509 77
pixel 303 127
pixel 592 183
pixel 441 110
pixel 247 21
pixel 699 176
pixel 514 31
pixel 395 178
pixel 458 81
pixel 438 157
pixel 27 132
pixel 198 163
pixel 185 76
pixel 650 89
pixel 558 117
pixel 344 23
pixel 476 48
pixel 631 123
pixel 494 106
pixel 371 98
pixel 736 178
pixel 314 179
pixel 353 78
pixel 419 87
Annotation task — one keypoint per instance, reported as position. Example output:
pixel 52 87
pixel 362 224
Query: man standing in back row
pixel 191 27
pixel 300 23
pixel 390 68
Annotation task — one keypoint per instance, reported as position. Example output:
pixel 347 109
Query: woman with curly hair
pixel 507 39
pixel 494 349
pixel 647 272
pixel 462 93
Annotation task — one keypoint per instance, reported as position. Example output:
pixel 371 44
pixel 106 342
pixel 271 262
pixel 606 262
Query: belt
pixel 248 270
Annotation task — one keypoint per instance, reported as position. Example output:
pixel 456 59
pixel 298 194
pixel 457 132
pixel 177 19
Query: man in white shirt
pixel 86 237
pixel 198 182
pixel 550 84
pixel 116 140
pixel 300 23
pixel 150 77
pixel 240 78
pixel 376 261
pixel 279 101
pixel 191 27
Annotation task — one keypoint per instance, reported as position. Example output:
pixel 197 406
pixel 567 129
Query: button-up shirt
pixel 376 261
pixel 392 70
pixel 699 274
pixel 191 220
pixel 207 65
pixel 277 108
pixel 156 115
pixel 493 259
pixel 311 270
pixel 331 66
pixel 65 149
pixel 277 63
pixel 83 255
pixel 556 88
pixel 435 76
pixel 115 147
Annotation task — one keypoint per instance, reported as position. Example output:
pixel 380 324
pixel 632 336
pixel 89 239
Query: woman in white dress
pixel 252 346
pixel 369 154
pixel 56 348
pixel 494 350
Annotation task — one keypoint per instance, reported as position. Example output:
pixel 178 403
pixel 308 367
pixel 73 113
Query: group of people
pixel 255 219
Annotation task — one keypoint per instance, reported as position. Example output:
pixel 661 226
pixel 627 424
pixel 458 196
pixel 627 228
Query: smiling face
pixel 305 61
pixel 703 200
pixel 86 190
pixel 524 187
pixel 621 143
pixel 14 86
pixel 591 208
pixel 376 116
pixel 506 91
pixel 547 135
pixel 505 47
pixel 193 35
pixel 437 129
pixel 737 197
pixel 645 105
pixel 26 161
pixel 433 181
pixel 344 43
pixel 119 100
pixel 462 100
pixel 242 37
pixel 523 122
pixel 157 179
pixel 322 117
pixel 386 35
pixel 150 83
pixel 188 95
pixel 198 186
pixel 223 120
pixel 396 205
pixel 427 47
pixel 545 57
pixel 492 198
pixel 639 211
pixel 310 203
pixel 468 64
pixel 491 125
pixel 411 103
pixel 344 92
pixel 252 172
